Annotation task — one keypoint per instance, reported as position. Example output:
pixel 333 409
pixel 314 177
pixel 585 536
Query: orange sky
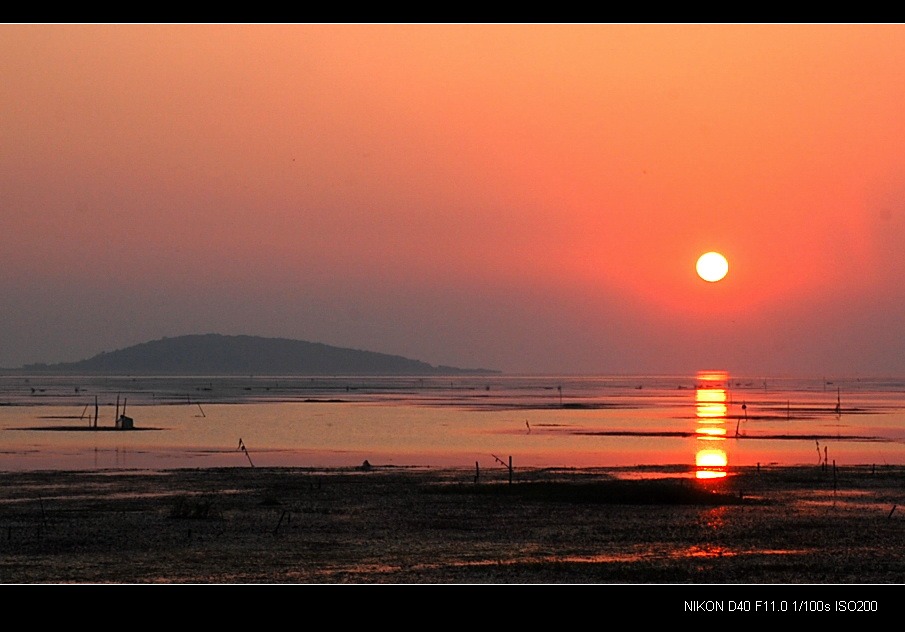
pixel 530 198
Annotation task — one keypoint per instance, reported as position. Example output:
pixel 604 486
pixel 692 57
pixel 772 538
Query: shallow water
pixel 702 424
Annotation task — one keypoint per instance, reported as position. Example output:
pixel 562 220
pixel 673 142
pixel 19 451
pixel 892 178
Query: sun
pixel 712 266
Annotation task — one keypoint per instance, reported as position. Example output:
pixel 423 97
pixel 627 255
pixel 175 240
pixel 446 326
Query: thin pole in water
pixel 245 450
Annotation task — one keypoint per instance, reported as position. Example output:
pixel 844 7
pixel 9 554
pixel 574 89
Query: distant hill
pixel 215 354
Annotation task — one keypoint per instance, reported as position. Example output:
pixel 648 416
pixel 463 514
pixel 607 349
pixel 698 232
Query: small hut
pixel 122 421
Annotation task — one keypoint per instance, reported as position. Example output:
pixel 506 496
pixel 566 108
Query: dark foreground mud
pixel 391 525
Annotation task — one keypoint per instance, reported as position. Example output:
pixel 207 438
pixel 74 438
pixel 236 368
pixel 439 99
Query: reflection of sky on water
pixel 442 422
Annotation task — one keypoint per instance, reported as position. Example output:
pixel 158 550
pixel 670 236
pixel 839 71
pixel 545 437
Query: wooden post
pixel 95 411
pixel 510 469
pixel 834 477
pixel 477 472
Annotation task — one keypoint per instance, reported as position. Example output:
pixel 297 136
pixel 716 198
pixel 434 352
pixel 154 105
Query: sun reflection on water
pixel 711 407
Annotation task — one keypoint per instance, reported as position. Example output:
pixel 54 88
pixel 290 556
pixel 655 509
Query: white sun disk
pixel 712 266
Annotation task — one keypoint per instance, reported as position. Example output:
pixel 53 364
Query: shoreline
pixel 392 524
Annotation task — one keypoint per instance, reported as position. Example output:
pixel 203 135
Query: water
pixel 699 425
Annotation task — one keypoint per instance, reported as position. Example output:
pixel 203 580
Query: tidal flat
pixel 399 525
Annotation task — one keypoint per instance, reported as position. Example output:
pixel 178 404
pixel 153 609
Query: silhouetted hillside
pixel 215 354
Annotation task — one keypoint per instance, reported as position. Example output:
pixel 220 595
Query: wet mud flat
pixel 379 525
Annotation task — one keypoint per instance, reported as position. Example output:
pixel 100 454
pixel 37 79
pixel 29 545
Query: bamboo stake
pixel 280 521
pixel 739 420
pixel 503 463
pixel 245 450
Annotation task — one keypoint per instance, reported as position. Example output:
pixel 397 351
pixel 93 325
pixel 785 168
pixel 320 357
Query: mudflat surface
pixel 783 525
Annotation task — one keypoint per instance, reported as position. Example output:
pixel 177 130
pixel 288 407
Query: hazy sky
pixel 530 198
